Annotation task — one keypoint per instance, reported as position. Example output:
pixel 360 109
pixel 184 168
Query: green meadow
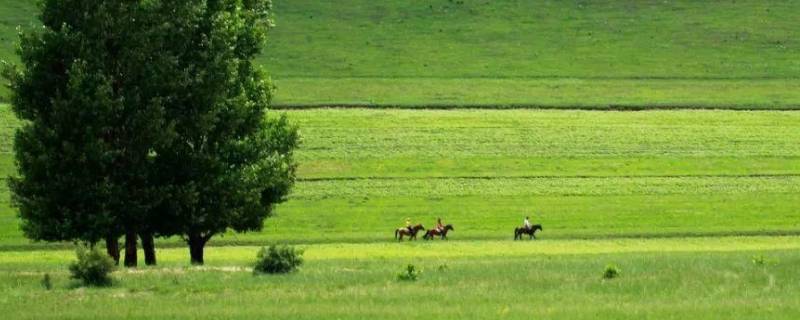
pixel 561 54
pixel 698 278
pixel 582 174
pixel 657 136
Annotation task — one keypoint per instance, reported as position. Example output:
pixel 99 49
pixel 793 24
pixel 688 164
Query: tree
pixel 94 112
pixel 229 163
pixel 147 118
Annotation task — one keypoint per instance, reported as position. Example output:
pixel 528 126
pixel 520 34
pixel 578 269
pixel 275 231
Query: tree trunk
pixel 112 248
pixel 149 247
pixel 196 245
pixel 130 250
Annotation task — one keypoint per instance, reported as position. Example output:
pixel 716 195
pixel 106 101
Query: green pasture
pixel 698 278
pixel 563 54
pixel 582 174
pixel 475 142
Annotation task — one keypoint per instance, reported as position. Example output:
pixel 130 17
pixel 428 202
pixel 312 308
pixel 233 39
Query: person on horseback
pixel 408 225
pixel 527 224
pixel 439 225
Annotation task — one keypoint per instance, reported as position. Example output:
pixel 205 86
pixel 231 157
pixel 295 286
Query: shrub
pixel 760 260
pixel 278 259
pixel 409 274
pixel 47 283
pixel 92 268
pixel 611 272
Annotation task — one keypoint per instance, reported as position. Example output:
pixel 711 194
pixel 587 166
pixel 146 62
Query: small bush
pixel 409 274
pixel 92 268
pixel 47 283
pixel 278 259
pixel 760 260
pixel 611 272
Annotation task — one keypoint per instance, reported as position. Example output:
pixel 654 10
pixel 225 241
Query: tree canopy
pixel 148 118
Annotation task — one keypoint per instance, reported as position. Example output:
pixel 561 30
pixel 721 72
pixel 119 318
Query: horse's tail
pixel 395 233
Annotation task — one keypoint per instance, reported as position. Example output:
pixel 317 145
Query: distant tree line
pixel 144 119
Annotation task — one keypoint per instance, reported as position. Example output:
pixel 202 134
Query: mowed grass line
pixel 483 279
pixel 241 256
pixel 516 93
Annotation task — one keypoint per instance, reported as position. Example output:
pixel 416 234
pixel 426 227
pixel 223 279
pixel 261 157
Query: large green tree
pixel 147 117
pixel 230 162
pixel 93 116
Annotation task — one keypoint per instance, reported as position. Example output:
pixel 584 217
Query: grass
pixel 483 279
pixel 561 54
pixel 423 143
pixel 665 196
pixel 525 93
pixel 582 174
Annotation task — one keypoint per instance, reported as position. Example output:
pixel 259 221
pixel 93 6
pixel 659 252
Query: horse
pixel 518 232
pixel 412 234
pixel 435 232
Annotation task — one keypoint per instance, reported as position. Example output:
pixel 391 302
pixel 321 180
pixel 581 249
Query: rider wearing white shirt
pixel 527 223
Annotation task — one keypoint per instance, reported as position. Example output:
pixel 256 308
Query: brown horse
pixel 435 232
pixel 412 234
pixel 518 232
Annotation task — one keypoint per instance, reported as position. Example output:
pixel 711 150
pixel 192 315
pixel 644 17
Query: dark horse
pixel 435 232
pixel 518 232
pixel 412 234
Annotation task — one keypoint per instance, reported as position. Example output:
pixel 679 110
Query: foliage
pixel 93 267
pixel 278 259
pixel 86 90
pixel 611 271
pixel 136 126
pixel 760 260
pixel 229 163
pixel 410 273
pixel 47 282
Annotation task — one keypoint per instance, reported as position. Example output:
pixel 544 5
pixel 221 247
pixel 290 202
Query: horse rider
pixel 527 224
pixel 439 225
pixel 408 225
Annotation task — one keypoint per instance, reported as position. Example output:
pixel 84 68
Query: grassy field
pixel 551 279
pixel 444 117
pixel 583 174
pixel 566 54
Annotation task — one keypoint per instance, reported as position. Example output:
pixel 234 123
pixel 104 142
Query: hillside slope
pixel 598 54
